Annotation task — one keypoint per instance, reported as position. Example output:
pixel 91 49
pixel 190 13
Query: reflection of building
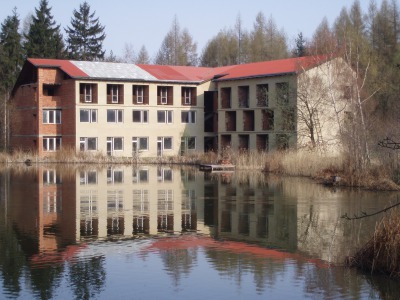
pixel 257 213
pixel 119 109
pixel 43 209
pixel 140 200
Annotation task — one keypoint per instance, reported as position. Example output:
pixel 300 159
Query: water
pixel 174 233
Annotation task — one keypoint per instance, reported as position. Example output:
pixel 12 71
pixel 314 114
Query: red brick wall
pixel 27 115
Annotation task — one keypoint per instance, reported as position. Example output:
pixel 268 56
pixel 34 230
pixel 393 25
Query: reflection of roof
pixel 190 74
pixel 186 242
pixel 46 258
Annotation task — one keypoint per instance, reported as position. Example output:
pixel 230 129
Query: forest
pixel 367 40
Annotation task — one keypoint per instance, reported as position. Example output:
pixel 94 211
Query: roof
pixel 189 74
pixel 271 68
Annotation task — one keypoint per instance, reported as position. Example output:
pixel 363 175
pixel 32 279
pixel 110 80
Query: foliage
pixel 177 48
pixel 44 39
pixel 85 36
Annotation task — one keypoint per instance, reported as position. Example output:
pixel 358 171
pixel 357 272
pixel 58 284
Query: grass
pixel 320 167
pixel 381 254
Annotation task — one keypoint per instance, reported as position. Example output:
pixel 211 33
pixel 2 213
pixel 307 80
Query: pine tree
pixel 85 36
pixel 44 39
pixel 11 57
pixel 300 49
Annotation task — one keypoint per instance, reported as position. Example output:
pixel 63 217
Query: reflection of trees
pixel 228 264
pixel 12 260
pixel 87 277
pixel 46 280
pixel 179 262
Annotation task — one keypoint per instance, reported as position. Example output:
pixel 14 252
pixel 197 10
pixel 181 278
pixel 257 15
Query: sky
pixel 138 23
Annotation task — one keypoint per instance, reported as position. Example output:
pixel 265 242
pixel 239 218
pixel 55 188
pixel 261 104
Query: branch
pixel 389 143
pixel 365 215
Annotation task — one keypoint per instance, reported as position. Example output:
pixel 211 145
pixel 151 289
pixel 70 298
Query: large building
pixel 152 110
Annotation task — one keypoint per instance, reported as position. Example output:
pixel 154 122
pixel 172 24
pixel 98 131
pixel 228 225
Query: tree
pixel 143 56
pixel 11 59
pixel 44 39
pixel 177 48
pixel 300 49
pixel 128 55
pixel 266 41
pixel 85 36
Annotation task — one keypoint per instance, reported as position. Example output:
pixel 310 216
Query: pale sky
pixel 146 23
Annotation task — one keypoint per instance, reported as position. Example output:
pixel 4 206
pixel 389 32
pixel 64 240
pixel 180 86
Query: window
pixel 187 95
pixel 88 115
pixel 188 117
pixel 262 95
pixel 115 93
pixel 114 144
pixel 139 144
pixel 282 93
pixel 87 92
pixel 166 142
pixel 51 143
pixel 88 177
pixel 115 175
pixel 114 115
pixel 139 94
pixel 51 116
pixel 140 175
pixel 88 143
pixel 164 174
pixel 164 116
pixel 50 177
pixel 140 116
pixel 164 95
pixel 188 143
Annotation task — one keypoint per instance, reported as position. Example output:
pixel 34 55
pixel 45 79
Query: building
pixel 153 110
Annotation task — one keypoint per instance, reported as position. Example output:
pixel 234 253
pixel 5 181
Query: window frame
pixel 92 115
pixel 144 116
pixel 51 114
pixel 168 116
pixel 190 118
pixel 138 141
pixel 51 143
pixel 118 115
pixel 84 141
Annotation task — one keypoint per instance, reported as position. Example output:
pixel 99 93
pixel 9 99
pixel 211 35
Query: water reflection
pixel 62 222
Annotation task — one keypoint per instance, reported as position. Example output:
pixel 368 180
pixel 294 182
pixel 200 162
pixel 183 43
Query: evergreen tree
pixel 300 49
pixel 44 39
pixel 85 36
pixel 11 57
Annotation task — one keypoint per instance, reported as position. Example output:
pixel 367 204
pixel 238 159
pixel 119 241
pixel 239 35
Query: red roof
pixel 65 65
pixel 273 67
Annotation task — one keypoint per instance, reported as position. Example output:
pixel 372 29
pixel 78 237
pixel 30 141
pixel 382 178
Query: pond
pixel 166 232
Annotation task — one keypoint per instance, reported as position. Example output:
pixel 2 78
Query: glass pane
pixel 136 116
pixel 161 116
pixel 110 115
pixel 118 143
pixel 143 144
pixel 92 144
pixel 58 116
pixel 167 143
pixel 84 115
pixel 94 115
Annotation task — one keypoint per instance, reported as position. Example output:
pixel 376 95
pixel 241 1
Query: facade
pixel 152 110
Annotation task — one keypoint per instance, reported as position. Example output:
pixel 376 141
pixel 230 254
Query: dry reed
pixel 381 254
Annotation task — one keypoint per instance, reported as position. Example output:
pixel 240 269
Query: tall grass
pixel 381 254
